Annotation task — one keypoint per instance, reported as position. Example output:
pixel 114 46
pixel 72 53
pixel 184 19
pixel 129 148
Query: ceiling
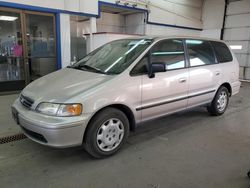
pixel 118 10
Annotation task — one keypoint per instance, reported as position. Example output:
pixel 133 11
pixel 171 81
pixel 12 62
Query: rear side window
pixel 222 52
pixel 200 52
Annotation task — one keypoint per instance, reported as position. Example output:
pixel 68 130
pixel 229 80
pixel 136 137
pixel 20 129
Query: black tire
pixel 213 107
pixel 90 138
pixel 248 174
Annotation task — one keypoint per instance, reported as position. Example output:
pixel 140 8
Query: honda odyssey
pixel 99 99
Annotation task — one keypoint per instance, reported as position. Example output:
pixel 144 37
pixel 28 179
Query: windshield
pixel 113 57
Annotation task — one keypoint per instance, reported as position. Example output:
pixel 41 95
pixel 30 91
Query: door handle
pixel 182 80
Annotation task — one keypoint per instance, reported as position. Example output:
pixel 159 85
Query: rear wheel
pixel 220 102
pixel 106 133
pixel 248 174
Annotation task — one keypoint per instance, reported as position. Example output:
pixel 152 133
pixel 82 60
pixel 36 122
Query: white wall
pixel 135 24
pixel 124 24
pixel 166 31
pixel 212 18
pixel 86 6
pixel 176 12
pixel 179 12
pixel 59 4
pixel 237 32
pixel 65 39
pixel 110 23
pixel 187 13
pixel 103 38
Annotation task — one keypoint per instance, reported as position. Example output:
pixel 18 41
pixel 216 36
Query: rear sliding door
pixel 204 72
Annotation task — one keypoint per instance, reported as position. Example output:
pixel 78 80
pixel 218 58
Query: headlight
pixel 54 109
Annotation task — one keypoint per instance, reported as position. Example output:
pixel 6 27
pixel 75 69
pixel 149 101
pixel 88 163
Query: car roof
pixel 185 37
pixel 158 38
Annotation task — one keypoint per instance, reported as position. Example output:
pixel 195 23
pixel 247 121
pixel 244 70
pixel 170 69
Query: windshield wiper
pixel 92 69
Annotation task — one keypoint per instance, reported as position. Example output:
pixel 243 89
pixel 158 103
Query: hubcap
pixel 222 101
pixel 110 134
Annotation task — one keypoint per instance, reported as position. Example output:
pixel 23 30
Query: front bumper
pixel 49 130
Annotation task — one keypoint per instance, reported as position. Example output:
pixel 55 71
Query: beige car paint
pixel 138 93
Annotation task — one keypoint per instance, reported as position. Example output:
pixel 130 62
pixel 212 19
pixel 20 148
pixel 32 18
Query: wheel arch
pixel 124 108
pixel 228 86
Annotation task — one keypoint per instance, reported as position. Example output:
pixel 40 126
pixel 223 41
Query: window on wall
pixel 79 26
pixel 200 52
pixel 170 52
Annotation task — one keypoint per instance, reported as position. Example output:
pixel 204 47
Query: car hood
pixel 62 85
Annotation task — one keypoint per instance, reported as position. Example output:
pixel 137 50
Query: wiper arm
pixel 87 67
pixel 91 68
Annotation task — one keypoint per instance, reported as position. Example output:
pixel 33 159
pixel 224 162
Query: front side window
pixel 222 52
pixel 114 57
pixel 200 52
pixel 170 52
pixel 141 67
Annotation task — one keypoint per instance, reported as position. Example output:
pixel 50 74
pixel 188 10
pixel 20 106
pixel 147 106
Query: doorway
pixel 27 47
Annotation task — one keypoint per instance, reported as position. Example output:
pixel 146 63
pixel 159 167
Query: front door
pixel 27 47
pixel 167 91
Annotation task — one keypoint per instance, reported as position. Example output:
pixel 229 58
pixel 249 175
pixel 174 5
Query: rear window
pixel 222 52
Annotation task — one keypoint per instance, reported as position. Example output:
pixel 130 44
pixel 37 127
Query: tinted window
pixel 222 52
pixel 170 52
pixel 141 67
pixel 200 52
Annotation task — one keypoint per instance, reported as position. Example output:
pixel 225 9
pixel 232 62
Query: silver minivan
pixel 98 100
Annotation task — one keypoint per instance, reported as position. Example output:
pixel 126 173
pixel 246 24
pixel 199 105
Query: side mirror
pixel 156 67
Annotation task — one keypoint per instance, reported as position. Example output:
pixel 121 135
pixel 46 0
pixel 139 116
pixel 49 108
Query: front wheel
pixel 220 102
pixel 106 133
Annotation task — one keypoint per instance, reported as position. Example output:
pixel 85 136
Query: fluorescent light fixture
pixel 167 53
pixel 194 42
pixel 236 47
pixel 8 18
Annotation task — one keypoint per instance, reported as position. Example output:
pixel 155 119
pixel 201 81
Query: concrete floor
pixel 7 124
pixel 188 149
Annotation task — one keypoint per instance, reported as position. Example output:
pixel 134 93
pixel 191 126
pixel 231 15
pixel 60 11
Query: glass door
pixel 40 44
pixel 12 73
pixel 27 47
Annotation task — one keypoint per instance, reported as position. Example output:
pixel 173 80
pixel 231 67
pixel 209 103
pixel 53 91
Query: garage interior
pixel 186 149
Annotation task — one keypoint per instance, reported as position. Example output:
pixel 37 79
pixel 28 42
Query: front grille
pixel 26 101
pixel 34 135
